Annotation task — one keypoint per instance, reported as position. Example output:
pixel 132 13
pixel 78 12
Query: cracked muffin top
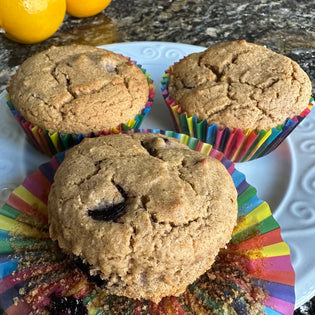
pixel 240 85
pixel 145 211
pixel 78 89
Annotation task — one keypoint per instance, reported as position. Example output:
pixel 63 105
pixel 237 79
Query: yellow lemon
pixel 84 8
pixel 31 21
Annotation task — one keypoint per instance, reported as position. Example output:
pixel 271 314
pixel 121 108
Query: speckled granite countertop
pixel 286 26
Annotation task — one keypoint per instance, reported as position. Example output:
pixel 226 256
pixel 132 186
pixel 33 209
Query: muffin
pixel 147 213
pixel 247 277
pixel 240 97
pixel 78 90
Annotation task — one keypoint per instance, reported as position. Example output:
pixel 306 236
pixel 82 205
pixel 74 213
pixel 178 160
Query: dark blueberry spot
pixel 122 192
pixel 166 140
pixel 66 305
pixel 68 80
pixel 234 58
pixel 150 150
pixel 110 212
pixel 85 269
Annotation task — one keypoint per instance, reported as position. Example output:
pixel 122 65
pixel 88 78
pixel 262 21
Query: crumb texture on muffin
pixel 78 89
pixel 148 213
pixel 240 85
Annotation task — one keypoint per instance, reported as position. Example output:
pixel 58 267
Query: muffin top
pixel 145 211
pixel 240 85
pixel 78 89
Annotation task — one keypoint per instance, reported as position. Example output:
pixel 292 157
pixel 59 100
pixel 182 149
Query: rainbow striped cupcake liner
pixel 237 146
pixel 52 143
pixel 252 274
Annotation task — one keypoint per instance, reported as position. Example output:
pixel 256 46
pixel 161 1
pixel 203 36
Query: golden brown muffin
pixel 240 85
pixel 148 213
pixel 78 89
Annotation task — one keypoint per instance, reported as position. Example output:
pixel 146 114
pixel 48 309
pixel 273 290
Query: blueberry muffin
pixel 241 98
pixel 78 89
pixel 240 85
pixel 147 213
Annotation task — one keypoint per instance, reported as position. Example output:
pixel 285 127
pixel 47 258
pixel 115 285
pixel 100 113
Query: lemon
pixel 31 21
pixel 84 8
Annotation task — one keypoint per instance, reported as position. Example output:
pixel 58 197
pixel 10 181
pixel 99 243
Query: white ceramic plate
pixel 284 178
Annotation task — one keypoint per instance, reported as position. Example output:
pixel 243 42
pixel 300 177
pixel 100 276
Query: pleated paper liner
pixel 52 143
pixel 252 275
pixel 237 146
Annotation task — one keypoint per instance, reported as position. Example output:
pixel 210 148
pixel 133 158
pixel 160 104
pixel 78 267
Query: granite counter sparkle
pixel 285 26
